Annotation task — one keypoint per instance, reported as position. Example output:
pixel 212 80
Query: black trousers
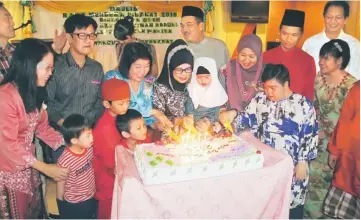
pixel 297 213
pixel 81 210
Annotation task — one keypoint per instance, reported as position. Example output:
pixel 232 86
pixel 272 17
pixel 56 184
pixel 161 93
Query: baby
pixel 207 96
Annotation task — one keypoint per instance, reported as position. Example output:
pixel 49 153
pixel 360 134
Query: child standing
pixel 75 196
pixel 134 131
pixel 206 92
pixel 116 95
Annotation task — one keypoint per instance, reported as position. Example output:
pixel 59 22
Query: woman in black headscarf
pixel 170 94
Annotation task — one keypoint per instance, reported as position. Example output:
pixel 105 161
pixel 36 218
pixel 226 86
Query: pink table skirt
pixel 258 194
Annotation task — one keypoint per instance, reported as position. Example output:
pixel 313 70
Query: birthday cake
pixel 159 163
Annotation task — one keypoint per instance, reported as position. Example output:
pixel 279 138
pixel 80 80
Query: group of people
pixel 67 100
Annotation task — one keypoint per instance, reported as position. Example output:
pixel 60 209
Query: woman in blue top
pixel 136 63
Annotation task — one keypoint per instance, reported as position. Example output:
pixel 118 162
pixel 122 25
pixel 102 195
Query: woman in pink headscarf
pixel 243 73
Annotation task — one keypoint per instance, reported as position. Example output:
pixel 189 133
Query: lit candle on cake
pixel 205 136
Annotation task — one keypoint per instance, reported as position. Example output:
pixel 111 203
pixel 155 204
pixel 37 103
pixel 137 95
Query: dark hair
pixel 342 4
pixel 277 72
pixel 23 72
pixel 73 126
pixel 123 121
pixel 1 5
pixel 124 27
pixel 301 29
pixel 131 53
pixel 337 48
pixel 79 21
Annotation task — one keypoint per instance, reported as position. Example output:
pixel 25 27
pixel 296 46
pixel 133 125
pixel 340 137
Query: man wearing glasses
pixel 192 28
pixel 75 85
pixel 335 14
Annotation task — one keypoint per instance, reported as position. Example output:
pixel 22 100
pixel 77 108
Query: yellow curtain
pixel 165 6
pixel 100 6
pixel 20 15
pixel 76 6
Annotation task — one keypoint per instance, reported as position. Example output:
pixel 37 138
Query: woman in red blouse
pixel 22 116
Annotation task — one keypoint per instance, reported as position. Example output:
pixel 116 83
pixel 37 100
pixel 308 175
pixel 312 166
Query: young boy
pixel 116 95
pixel 75 196
pixel 134 131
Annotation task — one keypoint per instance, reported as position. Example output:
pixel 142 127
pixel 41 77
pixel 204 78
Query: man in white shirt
pixel 335 16
pixel 192 28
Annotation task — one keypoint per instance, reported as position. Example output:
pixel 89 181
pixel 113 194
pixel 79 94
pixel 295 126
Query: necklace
pixel 332 88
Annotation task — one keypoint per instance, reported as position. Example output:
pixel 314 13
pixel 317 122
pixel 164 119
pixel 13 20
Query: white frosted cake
pixel 159 164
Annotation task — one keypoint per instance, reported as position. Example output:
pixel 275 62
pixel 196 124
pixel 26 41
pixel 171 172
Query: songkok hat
pixel 192 11
pixel 115 89
pixel 293 18
pixel 202 70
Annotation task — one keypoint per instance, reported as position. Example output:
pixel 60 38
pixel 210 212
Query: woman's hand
pixel 51 170
pixel 56 172
pixel 332 159
pixel 164 122
pixel 321 135
pixel 227 116
pixel 203 125
pixel 301 170
pixel 188 122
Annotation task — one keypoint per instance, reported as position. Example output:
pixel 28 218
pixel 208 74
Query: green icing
pixel 153 163
pixel 159 158
pixel 149 154
pixel 169 162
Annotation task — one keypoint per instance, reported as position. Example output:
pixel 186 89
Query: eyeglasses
pixel 43 65
pixel 180 70
pixel 84 36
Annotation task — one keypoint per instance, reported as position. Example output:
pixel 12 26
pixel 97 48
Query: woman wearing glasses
pixel 23 116
pixel 170 94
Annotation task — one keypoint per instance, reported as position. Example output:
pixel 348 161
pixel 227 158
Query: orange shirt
pixel 345 144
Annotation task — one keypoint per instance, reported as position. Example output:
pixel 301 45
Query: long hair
pixel 23 72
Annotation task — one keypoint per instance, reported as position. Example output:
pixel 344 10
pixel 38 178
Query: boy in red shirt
pixel 116 95
pixel 75 196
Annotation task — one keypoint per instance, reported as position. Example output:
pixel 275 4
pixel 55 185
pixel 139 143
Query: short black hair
pixel 124 28
pixel 123 121
pixel 277 72
pixel 337 48
pixel 73 126
pixel 79 21
pixel 131 53
pixel 342 4
pixel 1 5
pixel 302 29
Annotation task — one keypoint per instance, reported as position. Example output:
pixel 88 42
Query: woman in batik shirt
pixel 170 93
pixel 285 121
pixel 23 116
pixel 331 87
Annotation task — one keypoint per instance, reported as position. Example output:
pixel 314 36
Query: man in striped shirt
pixel 75 196
pixel 76 83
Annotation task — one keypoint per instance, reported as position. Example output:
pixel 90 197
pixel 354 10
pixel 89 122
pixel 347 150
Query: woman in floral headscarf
pixel 243 73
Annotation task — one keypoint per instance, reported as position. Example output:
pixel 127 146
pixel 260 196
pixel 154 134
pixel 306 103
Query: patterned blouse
pixel 289 125
pixel 171 103
pixel 17 131
pixel 140 100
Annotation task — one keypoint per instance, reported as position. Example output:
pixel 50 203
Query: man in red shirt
pixel 116 95
pixel 300 64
